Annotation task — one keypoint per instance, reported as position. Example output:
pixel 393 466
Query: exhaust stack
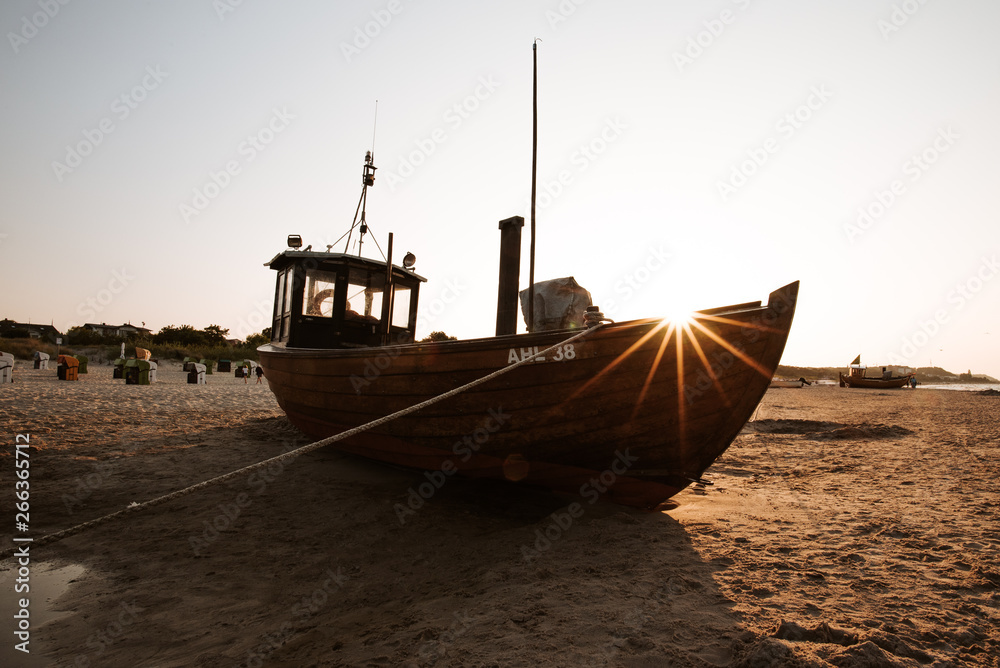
pixel 510 274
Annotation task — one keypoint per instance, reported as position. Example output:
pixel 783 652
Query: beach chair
pixel 41 360
pixel 196 376
pixel 6 368
pixel 68 368
pixel 137 372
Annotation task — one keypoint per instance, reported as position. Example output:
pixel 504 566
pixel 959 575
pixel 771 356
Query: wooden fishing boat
pixel 888 377
pixel 801 382
pixel 633 411
pixel 874 383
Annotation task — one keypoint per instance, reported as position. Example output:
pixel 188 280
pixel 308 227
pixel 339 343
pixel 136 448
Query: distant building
pixel 10 329
pixel 127 330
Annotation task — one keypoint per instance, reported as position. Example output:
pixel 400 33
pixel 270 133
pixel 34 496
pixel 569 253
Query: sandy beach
pixel 844 528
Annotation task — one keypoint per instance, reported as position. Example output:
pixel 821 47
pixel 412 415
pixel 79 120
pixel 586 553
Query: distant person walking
pixel 246 373
pixel 260 374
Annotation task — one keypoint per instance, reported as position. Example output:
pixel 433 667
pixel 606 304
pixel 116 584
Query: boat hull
pixel 874 383
pixel 632 412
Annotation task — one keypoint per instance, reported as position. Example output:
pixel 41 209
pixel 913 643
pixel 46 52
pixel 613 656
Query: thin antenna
pixel 367 180
pixel 534 172
pixel 374 126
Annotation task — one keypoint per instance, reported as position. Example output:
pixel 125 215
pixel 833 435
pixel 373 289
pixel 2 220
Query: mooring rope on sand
pixel 291 454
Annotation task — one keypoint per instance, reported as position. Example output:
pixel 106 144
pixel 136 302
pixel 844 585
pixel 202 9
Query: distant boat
pixel 801 382
pixel 883 377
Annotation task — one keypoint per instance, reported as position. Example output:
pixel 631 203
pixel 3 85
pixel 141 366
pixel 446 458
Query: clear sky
pixel 692 154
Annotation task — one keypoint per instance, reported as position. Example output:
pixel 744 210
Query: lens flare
pixel 679 315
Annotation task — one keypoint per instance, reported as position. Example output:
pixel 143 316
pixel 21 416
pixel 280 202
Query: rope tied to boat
pixel 292 454
pixel 593 317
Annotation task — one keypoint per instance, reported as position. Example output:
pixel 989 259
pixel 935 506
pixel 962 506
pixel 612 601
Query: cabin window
pixel 318 297
pixel 279 298
pixel 401 306
pixel 282 306
pixel 287 307
pixel 364 298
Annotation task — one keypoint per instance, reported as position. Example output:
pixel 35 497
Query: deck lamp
pixel 368 176
pixel 409 260
pixel 294 241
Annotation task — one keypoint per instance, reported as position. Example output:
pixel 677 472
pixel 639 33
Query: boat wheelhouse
pixel 335 300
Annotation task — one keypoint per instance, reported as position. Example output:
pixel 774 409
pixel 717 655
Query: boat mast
pixel 367 179
pixel 534 172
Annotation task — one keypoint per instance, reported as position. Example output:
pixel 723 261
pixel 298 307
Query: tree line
pixel 181 335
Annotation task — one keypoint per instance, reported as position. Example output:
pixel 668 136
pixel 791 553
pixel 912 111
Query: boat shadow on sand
pixel 315 563
pixel 820 430
pixel 318 562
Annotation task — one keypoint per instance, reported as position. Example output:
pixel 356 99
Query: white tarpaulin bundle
pixel 559 304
